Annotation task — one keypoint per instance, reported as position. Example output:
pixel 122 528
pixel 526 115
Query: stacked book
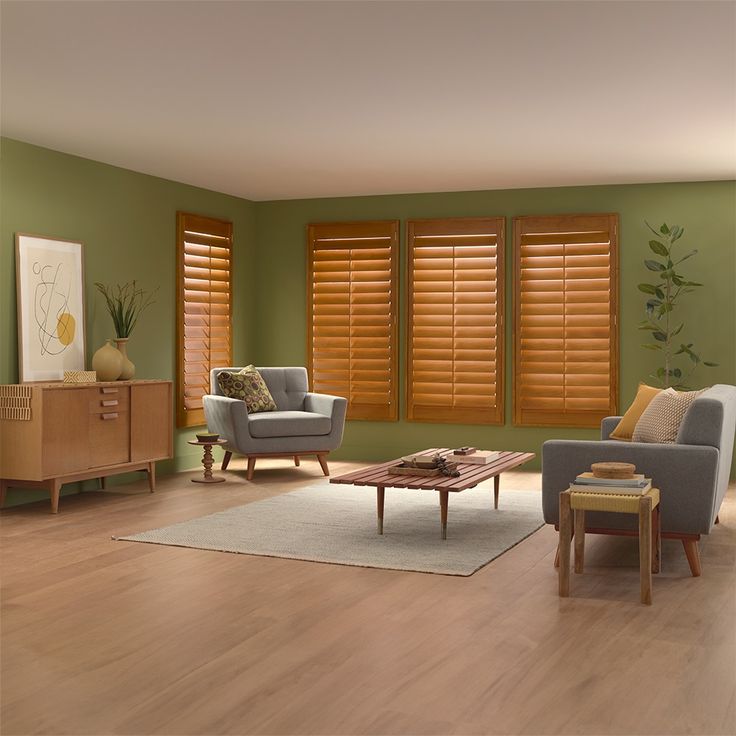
pixel 637 485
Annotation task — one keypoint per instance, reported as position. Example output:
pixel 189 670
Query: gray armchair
pixel 692 474
pixel 303 424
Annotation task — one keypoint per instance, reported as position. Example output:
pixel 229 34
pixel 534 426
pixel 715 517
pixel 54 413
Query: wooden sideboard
pixel 55 433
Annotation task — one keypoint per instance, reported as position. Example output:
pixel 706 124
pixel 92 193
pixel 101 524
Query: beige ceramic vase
pixel 107 362
pixel 128 370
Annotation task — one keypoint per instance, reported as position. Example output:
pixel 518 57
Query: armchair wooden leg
pixel 322 457
pixel 151 477
pixel 226 460
pixel 717 521
pixel 296 460
pixel 251 468
pixel 693 556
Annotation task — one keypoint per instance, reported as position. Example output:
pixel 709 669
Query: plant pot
pixel 107 362
pixel 128 369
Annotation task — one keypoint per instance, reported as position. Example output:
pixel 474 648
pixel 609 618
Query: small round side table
pixel 208 461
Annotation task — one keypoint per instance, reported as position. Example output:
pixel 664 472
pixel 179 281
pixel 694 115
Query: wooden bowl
pixel 208 437
pixel 618 471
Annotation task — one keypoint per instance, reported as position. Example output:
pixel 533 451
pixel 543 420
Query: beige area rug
pixel 337 524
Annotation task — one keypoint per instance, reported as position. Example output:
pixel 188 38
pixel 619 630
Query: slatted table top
pixel 470 474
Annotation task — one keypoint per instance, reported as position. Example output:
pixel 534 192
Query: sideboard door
pixel 65 433
pixel 151 422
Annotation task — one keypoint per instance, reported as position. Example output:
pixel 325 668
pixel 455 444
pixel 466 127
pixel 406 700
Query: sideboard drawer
pixel 109 437
pixel 109 400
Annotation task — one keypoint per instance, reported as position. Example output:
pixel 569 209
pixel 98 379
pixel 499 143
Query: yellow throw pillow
pixel 625 428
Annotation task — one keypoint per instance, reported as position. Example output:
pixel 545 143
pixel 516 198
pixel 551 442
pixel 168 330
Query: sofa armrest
pixel 608 425
pixel 229 418
pixel 685 475
pixel 330 406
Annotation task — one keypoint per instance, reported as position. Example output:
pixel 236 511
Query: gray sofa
pixel 692 474
pixel 303 424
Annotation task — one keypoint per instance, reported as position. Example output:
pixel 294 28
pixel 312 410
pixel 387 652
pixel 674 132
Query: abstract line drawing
pixel 50 278
pixel 56 326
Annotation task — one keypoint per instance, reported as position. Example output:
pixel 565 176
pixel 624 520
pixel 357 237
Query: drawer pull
pixel 111 415
pixel 109 390
pixel 110 402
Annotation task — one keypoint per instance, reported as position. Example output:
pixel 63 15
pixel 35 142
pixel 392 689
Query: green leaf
pixel 693 357
pixel 664 229
pixel 651 346
pixel 658 292
pixel 688 255
pixel 660 372
pixel 677 331
pixel 648 288
pixel 677 280
pixel 677 373
pixel 654 265
pixel 666 307
pixel 693 283
pixel 659 335
pixel 709 364
pixel 658 248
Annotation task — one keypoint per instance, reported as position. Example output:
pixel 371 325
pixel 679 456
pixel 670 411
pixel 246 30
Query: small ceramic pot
pixel 107 362
pixel 128 370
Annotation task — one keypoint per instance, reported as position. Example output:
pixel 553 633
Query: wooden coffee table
pixel 470 476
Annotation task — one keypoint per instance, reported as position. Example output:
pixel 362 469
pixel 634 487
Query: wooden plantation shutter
pixel 204 309
pixel 455 332
pixel 352 305
pixel 565 319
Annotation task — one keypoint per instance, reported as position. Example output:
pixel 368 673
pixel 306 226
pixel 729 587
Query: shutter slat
pixel 455 300
pixel 566 347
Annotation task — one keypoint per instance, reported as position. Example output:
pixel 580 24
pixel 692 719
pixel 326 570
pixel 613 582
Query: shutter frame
pixel 576 414
pixel 337 327
pixel 196 311
pixel 468 231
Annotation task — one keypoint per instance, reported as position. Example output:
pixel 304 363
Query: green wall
pixel 127 222
pixel 707 211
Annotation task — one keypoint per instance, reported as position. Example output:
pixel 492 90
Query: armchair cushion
pixel 248 386
pixel 288 424
pixel 661 420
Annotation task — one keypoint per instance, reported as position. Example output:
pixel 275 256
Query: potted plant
pixel 664 296
pixel 125 303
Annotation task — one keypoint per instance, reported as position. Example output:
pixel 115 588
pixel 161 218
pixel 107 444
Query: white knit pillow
pixel 661 420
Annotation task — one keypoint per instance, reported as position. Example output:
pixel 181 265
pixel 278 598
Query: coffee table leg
pixel 496 488
pixel 380 493
pixel 443 512
pixel 645 549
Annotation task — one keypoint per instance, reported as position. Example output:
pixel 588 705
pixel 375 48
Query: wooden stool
pixel 650 545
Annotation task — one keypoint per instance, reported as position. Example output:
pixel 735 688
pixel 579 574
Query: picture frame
pixel 51 310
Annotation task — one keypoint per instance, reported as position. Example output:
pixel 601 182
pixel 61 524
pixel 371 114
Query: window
pixel 352 303
pixel 204 309
pixel 565 319
pixel 455 333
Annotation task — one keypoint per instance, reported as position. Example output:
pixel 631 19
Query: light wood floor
pixel 105 637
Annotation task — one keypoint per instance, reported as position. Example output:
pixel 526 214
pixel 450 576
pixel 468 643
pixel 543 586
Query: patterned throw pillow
pixel 661 420
pixel 247 385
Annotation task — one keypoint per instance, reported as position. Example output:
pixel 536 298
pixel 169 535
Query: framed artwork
pixel 50 289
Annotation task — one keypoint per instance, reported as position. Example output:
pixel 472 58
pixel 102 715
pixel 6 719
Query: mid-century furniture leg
pixel 3 491
pixel 251 468
pixel 322 457
pixel 443 512
pixel 564 544
pixel 656 539
pixel 296 460
pixel 496 487
pixel 380 494
pixel 103 482
pixel 152 477
pixel 226 460
pixel 55 489
pixel 645 549
pixel 557 551
pixel 579 536
pixel 693 556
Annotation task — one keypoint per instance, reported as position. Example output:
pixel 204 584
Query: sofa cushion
pixel 288 424
pixel 661 420
pixel 248 386
pixel 625 428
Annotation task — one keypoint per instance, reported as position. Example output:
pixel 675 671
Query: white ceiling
pixel 277 100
